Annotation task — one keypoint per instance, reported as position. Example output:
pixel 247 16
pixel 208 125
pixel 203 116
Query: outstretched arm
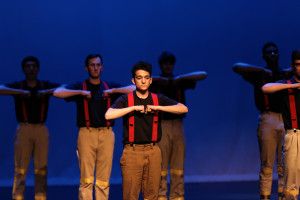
pixel 245 69
pixel 11 91
pixel 179 108
pixel 114 113
pixel 121 90
pixel 275 87
pixel 63 92
pixel 47 92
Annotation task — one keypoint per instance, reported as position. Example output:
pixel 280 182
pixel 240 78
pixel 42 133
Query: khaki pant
pixel 95 154
pixel 270 134
pixel 172 146
pixel 291 164
pixel 31 140
pixel 141 167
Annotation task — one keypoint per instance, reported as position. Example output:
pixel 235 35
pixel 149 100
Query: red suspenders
pixel 155 118
pixel 266 98
pixel 86 105
pixel 292 107
pixel 24 110
pixel 108 101
pixel 131 118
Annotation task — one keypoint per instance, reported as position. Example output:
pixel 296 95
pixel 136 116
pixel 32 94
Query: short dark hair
pixel 143 66
pixel 268 44
pixel 90 56
pixel 30 59
pixel 295 55
pixel 166 57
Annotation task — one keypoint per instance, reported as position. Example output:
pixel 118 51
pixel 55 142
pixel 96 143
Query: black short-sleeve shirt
pixel 34 103
pixel 258 80
pixel 143 122
pixel 283 96
pixel 97 105
pixel 176 92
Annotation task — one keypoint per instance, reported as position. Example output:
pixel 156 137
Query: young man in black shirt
pixel 172 144
pixel 270 129
pixel 32 138
pixel 96 138
pixel 141 159
pixel 289 96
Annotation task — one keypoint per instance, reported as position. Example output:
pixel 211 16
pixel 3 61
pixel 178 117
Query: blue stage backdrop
pixel 204 35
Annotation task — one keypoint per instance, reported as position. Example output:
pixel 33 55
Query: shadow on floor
pixel 247 190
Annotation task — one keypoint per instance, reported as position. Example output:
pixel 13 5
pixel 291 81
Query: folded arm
pixel 245 69
pixel 63 92
pixel 114 113
pixel 195 76
pixel 179 108
pixel 11 91
pixel 121 90
pixel 47 92
pixel 275 87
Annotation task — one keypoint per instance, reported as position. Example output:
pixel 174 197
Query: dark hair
pixel 166 57
pixel 143 66
pixel 295 55
pixel 90 56
pixel 268 44
pixel 30 59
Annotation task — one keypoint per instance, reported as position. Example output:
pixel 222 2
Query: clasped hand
pixel 146 109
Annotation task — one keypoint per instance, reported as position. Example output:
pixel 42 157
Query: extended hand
pixel 86 94
pixel 40 93
pixel 139 108
pixel 25 93
pixel 107 93
pixel 151 108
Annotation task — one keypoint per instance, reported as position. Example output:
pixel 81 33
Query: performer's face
pixel 94 67
pixel 31 69
pixel 271 55
pixel 296 66
pixel 142 80
pixel 167 68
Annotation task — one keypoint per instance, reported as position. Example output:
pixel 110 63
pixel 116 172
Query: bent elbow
pixel 204 75
pixel 266 89
pixel 235 68
pixel 186 110
pixel 107 117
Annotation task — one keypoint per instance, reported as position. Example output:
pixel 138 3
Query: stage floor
pixel 246 190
